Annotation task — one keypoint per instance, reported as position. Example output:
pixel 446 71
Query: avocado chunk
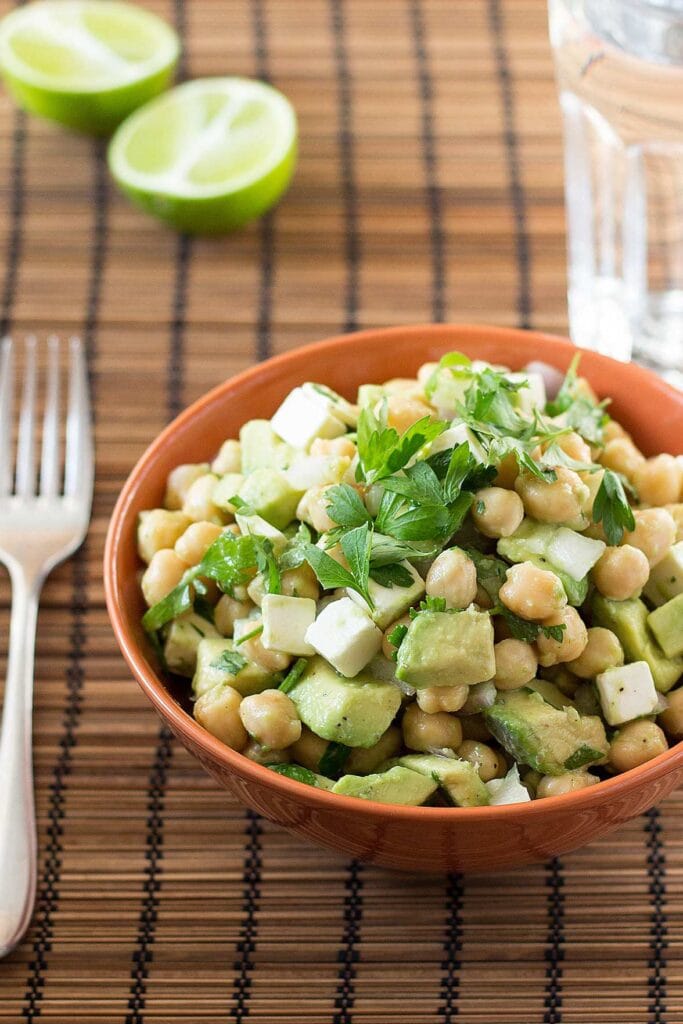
pixel 667 625
pixel 182 642
pixel 551 693
pixel 666 578
pixel 628 619
pixel 549 740
pixel 533 542
pixel 445 648
pixel 459 779
pixel 398 785
pixel 219 662
pixel 355 712
pixel 390 603
pixel 301 774
pixel 271 496
pixel 262 448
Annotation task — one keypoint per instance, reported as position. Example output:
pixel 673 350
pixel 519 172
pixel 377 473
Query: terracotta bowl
pixel 413 838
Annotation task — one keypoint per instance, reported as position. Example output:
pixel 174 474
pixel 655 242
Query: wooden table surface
pixel 429 188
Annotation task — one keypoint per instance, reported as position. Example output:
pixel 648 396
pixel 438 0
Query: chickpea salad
pixel 463 589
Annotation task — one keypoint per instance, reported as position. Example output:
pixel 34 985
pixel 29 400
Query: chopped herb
pixel 396 637
pixel 480 507
pixel 582 756
pixel 345 506
pixel 612 509
pixel 387 550
pixel 294 675
pixel 229 661
pixel 267 564
pixel 580 414
pixel 566 395
pixel 195 627
pixel 490 571
pixel 202 606
pixel 526 631
pixel 430 604
pixel 176 603
pixel 331 575
pixel 294 554
pixel 249 636
pixel 333 759
pixel 395 575
pixel 242 506
pixel 381 451
pixel 296 772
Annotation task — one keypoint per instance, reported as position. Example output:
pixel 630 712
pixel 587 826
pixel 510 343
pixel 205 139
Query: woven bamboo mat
pixel 429 187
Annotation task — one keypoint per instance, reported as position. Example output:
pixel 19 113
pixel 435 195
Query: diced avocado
pixel 396 786
pixel 390 602
pixel 459 779
pixel 270 495
pixel 628 619
pixel 262 448
pixel 305 775
pixel 549 740
pixel 355 712
pixel 551 693
pixel 531 543
pixel 445 648
pixel 667 625
pixel 666 578
pixel 219 662
pixel 183 639
pixel 226 488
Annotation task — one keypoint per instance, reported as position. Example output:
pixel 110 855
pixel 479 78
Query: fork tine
pixel 26 460
pixel 79 454
pixel 49 463
pixel 6 401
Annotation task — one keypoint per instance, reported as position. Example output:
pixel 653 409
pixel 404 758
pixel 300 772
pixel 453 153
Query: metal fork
pixel 41 524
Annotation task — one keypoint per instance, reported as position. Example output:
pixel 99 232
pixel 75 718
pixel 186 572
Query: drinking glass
pixel 619 69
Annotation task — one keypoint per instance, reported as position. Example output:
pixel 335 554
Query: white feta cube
pixel 285 621
pixel 666 578
pixel 530 397
pixel 455 435
pixel 316 471
pixel 303 416
pixel 346 636
pixel 573 553
pixel 627 692
pixel 336 403
pixel 508 790
pixel 390 602
pixel 259 527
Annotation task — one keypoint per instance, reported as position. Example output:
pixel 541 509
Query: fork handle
pixel 17 807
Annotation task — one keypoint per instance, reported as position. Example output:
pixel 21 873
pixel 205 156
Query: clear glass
pixel 619 68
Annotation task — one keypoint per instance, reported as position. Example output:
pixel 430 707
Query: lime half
pixel 209 155
pixel 85 63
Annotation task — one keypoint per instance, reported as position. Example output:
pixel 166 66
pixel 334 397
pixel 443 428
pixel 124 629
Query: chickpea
pixel 229 458
pixel 532 593
pixel 612 430
pixel 272 661
pixel 425 372
pixel 635 743
pixel 179 482
pixel 159 529
pixel 621 573
pixel 569 782
pixel 264 755
pixel 516 664
pixel 364 760
pixel 592 482
pixel 408 386
pixel 163 573
pixel 488 762
pixel 218 711
pixel 403 411
pixel 227 611
pixel 313 509
pixel 566 682
pixel 475 728
pixel 507 472
pixel 654 534
pixel 658 481
pixel 573 642
pixel 622 456
pixel 388 649
pixel 671 720
pixel 430 732
pixel 198 504
pixel 483 598
pixel 433 699
pixel 333 446
pixel 195 541
pixel 561 501
pixel 453 576
pixel 602 651
pixel 271 719
pixel 308 750
pixel 574 446
pixel 676 512
pixel 300 582
pixel 497 512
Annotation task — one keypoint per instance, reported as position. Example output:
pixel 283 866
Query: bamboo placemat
pixel 429 187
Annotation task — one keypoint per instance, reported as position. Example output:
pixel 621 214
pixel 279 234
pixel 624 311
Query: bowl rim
pixel 182 724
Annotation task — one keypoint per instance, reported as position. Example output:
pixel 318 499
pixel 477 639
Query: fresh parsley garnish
pixel 611 508
pixel 296 772
pixel 526 631
pixel 294 675
pixel 356 545
pixel 580 414
pixel 345 506
pixel 229 661
pixel 396 638
pixel 395 575
pixel 490 571
pixel 382 451
pixel 250 635
pixel 458 363
pixel 294 554
pixel 333 759
pixel 267 565
pixel 430 604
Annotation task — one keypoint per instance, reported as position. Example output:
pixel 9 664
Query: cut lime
pixel 209 155
pixel 85 63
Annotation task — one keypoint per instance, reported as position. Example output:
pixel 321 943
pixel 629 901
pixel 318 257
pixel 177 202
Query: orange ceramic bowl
pixel 414 838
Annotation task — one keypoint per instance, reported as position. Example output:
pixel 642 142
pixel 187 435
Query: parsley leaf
pixel 229 661
pixel 387 550
pixel 611 507
pixel 565 396
pixel 333 759
pixel 392 575
pixel 331 575
pixel 430 604
pixel 294 554
pixel 176 603
pixel 490 571
pixel 458 363
pixel 294 675
pixel 526 631
pixel 381 451
pixel 345 506
pixel 250 635
pixel 266 563
pixel 396 638
pixel 580 414
pixel 296 772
